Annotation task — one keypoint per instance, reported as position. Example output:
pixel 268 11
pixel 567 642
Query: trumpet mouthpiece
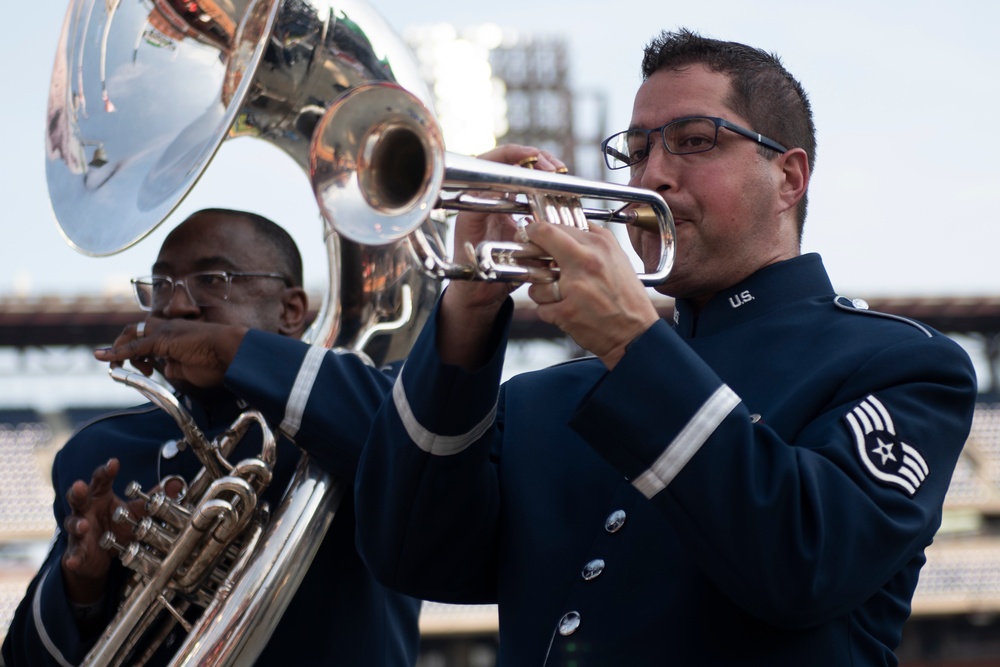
pixel 643 217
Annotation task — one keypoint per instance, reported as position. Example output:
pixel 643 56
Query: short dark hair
pixel 271 233
pixel 761 89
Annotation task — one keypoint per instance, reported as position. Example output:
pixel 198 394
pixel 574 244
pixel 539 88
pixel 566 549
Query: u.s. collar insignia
pixel 886 457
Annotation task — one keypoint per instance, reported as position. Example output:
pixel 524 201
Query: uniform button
pixel 593 569
pixel 615 521
pixel 569 623
pixel 170 449
pixel 860 304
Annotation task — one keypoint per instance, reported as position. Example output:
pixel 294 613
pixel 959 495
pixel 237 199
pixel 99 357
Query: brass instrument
pixel 200 548
pixel 379 165
pixel 143 93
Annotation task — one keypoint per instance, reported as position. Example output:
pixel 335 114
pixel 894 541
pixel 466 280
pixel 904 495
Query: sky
pixel 904 199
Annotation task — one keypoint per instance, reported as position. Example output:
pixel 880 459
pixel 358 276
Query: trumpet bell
pixel 374 164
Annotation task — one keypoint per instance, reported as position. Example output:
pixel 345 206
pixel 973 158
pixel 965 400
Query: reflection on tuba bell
pixel 143 93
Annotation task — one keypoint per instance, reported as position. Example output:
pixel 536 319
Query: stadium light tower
pixel 492 85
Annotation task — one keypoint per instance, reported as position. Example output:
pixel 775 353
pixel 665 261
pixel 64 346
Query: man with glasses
pixel 226 312
pixel 754 484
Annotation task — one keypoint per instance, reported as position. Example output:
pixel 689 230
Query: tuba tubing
pixel 226 633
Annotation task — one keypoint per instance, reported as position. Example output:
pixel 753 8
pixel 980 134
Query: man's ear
pixel 294 310
pixel 795 173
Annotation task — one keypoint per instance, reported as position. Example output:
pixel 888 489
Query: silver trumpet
pixel 379 167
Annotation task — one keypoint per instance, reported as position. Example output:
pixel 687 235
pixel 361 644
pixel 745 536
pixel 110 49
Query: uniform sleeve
pixel 796 531
pixel 322 400
pixel 427 490
pixel 43 631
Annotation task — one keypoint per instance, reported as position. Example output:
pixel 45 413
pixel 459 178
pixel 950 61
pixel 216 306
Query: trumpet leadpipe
pixel 642 216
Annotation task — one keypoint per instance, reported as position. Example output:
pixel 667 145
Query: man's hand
pixel 85 563
pixel 598 300
pixel 469 308
pixel 198 353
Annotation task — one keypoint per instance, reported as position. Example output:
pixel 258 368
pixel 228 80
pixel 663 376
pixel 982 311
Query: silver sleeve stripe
pixel 36 610
pixel 432 443
pixel 687 443
pixel 301 390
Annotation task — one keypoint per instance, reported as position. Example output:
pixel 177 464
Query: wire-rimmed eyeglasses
pixel 205 288
pixel 693 134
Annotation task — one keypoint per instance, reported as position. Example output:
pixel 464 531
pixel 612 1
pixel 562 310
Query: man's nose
pixel 658 172
pixel 180 304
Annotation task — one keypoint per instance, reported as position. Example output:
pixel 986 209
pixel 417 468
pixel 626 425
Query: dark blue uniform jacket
pixel 324 401
pixel 754 487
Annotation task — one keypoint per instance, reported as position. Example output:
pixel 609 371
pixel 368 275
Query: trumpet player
pixel 753 483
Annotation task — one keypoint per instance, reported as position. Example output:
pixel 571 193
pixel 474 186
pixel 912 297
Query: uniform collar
pixel 771 287
pixel 218 408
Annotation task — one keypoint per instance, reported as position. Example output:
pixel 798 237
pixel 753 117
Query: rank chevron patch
pixel 886 457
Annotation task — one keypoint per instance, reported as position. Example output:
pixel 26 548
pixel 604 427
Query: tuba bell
pixel 143 93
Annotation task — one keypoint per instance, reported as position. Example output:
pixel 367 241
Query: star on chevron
pixel 884 450
pixel 883 454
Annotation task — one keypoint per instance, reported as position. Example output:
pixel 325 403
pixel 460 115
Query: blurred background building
pixel 491 86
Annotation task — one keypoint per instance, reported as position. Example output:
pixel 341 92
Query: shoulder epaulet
pixel 861 306
pixel 137 410
pixel 574 360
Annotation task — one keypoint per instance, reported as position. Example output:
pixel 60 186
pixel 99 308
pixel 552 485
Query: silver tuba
pixel 143 93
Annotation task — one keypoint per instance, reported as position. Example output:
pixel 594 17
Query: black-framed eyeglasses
pixel 693 134
pixel 205 288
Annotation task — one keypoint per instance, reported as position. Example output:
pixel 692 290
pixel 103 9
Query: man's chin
pixel 666 289
pixel 673 286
